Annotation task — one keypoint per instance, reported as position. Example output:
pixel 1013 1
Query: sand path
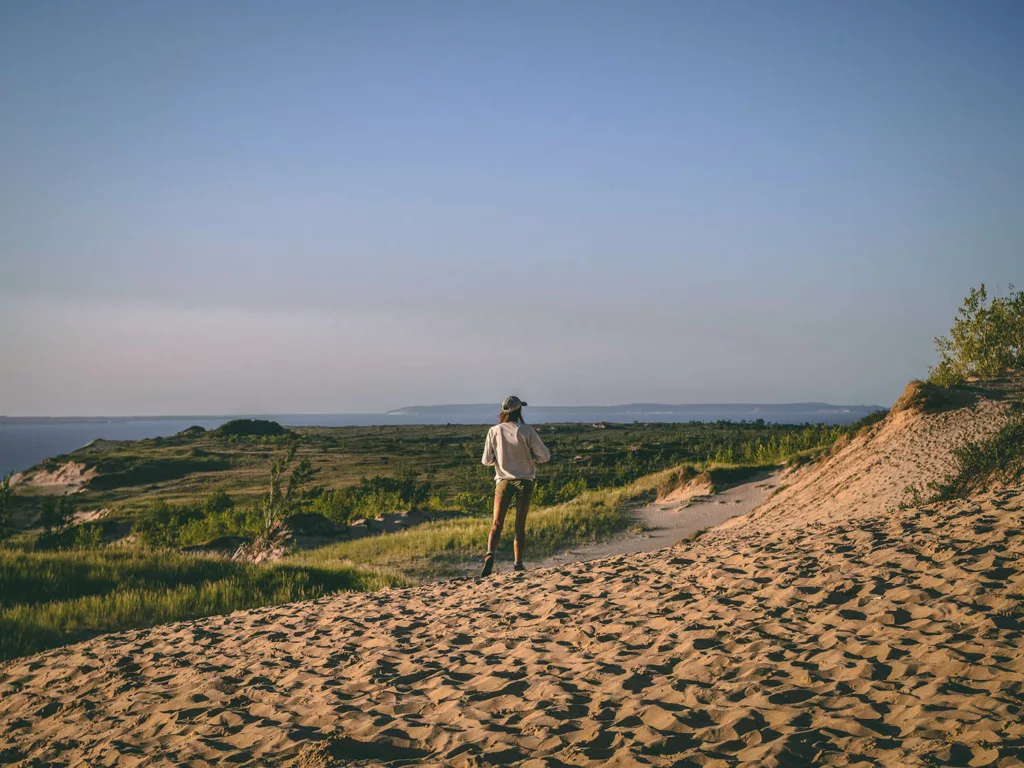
pixel 657 525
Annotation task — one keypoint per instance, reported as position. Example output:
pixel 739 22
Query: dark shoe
pixel 488 565
pixel 518 567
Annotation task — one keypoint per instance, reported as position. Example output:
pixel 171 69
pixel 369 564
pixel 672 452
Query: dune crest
pixel 876 470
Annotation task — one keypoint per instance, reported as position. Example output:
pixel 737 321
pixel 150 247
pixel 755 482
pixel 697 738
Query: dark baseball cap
pixel 511 403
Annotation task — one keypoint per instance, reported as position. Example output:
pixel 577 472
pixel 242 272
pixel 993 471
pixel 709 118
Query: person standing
pixel 513 448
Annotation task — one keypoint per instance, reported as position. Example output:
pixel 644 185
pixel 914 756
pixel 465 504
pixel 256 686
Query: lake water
pixel 24 442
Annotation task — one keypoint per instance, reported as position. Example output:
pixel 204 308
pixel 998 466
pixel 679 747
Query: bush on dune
pixel 997 461
pixel 987 339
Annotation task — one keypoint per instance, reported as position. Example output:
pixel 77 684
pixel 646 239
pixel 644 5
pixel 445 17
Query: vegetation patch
pixel 922 397
pixel 49 599
pixel 867 422
pixel 148 471
pixel 678 478
pixel 996 461
pixel 61 582
pixel 439 548
pixel 363 472
pixel 712 479
pixel 250 428
pixel 986 340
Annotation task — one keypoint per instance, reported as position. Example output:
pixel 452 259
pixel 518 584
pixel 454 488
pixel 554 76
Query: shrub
pixel 160 524
pixel 55 514
pixel 867 421
pixel 480 503
pixel 999 459
pixel 986 339
pixel 169 525
pixel 374 496
pixel 232 521
pixel 280 502
pixel 921 396
pixel 88 536
pixel 5 505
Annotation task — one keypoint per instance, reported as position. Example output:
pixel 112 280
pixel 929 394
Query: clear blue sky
pixel 285 207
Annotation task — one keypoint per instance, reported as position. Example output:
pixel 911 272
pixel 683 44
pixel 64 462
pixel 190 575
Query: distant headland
pixel 783 413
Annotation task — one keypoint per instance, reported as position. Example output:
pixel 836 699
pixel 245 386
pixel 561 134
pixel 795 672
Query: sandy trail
pixel 657 526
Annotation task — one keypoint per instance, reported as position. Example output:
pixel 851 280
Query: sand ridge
pixel 876 469
pixel 895 641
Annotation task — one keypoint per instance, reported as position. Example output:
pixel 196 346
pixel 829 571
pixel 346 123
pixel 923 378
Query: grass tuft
pixel 998 460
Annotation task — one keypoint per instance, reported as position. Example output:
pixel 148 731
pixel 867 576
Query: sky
pixel 268 207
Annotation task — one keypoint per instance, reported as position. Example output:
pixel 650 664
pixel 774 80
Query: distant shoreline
pixel 26 440
pixel 486 411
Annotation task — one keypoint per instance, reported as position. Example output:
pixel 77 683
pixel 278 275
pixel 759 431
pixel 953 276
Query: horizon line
pixel 394 411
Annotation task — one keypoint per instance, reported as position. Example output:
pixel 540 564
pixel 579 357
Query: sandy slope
pixel 70 477
pixel 874 471
pixel 801 636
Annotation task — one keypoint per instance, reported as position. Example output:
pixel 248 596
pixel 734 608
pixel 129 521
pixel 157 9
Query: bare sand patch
pixel 69 477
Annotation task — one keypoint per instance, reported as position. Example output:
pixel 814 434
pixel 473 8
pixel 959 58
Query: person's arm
pixel 537 447
pixel 488 457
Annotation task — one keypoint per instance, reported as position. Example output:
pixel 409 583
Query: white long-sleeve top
pixel 512 449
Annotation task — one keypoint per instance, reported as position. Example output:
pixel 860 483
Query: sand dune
pixel 798 637
pixel 910 448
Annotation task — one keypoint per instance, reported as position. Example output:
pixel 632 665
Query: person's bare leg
pixel 501 499
pixel 522 508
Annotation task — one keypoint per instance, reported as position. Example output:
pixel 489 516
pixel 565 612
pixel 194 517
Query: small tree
pixel 6 497
pixel 281 500
pixel 159 525
pixel 55 514
pixel 987 339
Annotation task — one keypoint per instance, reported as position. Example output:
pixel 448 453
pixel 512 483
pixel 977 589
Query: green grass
pixel 439 548
pixel 49 599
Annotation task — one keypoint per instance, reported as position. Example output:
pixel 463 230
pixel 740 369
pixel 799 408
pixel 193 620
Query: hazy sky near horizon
pixel 246 207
